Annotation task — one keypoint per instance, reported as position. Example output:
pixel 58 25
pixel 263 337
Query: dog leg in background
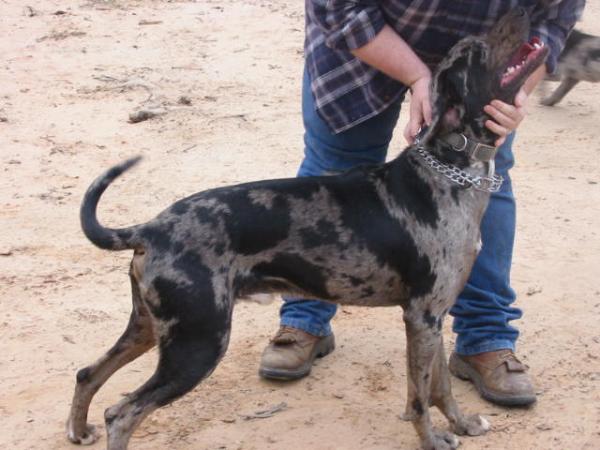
pixel 563 89
pixel 135 341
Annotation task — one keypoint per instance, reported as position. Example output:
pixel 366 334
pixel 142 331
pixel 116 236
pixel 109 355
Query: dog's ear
pixel 451 87
pixel 446 113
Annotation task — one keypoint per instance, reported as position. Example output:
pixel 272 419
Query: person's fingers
pixel 414 122
pixel 411 130
pixel 500 117
pixel 407 136
pixel 427 114
pixel 497 128
pixel 506 109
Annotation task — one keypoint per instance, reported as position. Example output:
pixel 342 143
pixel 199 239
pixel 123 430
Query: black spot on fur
pixel 180 208
pixel 323 234
pixel 354 281
pixel 219 248
pixel 178 247
pixel 158 236
pixel 411 192
pixel 367 292
pixel 109 418
pixel 191 264
pixel 454 190
pixel 296 271
pixel 206 215
pixel 262 229
pixel 594 54
pixel 83 375
pixel 417 407
pixel 389 240
pixel 428 318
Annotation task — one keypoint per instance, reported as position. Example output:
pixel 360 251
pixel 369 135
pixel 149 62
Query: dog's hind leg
pixel 563 89
pixel 194 338
pixel 441 396
pixel 136 340
pixel 423 343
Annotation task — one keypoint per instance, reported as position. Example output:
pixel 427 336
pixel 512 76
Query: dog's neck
pixel 441 147
pixel 464 160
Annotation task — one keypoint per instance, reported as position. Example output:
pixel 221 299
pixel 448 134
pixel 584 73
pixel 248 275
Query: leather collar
pixel 475 150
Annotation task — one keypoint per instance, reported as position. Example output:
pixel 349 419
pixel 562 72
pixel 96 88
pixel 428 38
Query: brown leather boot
pixel 291 352
pixel 498 376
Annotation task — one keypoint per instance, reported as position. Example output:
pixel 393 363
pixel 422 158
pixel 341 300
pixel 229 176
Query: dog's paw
pixel 87 437
pixel 442 440
pixel 408 416
pixel 474 425
pixel 547 101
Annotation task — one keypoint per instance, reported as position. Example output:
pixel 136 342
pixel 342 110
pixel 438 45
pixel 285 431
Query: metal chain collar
pixel 491 183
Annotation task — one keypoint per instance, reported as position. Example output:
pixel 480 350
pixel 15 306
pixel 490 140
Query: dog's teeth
pixel 536 45
pixel 511 69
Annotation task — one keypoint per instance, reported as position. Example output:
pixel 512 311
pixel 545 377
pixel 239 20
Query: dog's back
pixel 579 61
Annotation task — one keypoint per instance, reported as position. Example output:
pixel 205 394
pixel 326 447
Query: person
pixel 361 57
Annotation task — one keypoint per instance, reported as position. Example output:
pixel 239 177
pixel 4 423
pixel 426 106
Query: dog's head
pixel 480 69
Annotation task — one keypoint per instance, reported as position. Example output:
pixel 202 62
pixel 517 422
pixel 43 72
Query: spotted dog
pixel 579 61
pixel 403 233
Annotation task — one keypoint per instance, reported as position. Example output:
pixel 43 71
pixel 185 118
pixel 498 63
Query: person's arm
pixel 390 54
pixel 359 27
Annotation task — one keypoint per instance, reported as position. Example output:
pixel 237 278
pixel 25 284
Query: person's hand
pixel 506 118
pixel 420 107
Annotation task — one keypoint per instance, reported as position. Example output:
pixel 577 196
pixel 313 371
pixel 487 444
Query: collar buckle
pixel 475 150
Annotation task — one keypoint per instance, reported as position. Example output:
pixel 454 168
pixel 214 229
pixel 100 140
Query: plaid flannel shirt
pixel 348 91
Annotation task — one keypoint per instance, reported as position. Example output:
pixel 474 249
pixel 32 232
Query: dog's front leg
pixel 423 343
pixel 441 396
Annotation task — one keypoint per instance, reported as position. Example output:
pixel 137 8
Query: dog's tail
pixel 106 238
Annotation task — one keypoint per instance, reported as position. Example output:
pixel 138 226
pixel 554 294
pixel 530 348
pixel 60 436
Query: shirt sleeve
pixel 346 24
pixel 552 21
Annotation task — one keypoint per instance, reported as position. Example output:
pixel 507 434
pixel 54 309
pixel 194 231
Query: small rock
pixel 532 290
pixel 144 114
pixel 184 100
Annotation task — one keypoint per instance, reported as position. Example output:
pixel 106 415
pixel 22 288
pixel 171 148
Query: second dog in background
pixel 579 61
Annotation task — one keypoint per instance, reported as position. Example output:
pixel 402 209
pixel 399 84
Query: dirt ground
pixel 224 77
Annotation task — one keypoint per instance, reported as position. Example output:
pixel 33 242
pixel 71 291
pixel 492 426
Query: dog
pixel 579 61
pixel 402 233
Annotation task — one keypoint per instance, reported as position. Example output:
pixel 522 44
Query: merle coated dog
pixel 579 61
pixel 403 233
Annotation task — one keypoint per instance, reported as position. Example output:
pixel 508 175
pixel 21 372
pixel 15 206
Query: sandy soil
pixel 69 78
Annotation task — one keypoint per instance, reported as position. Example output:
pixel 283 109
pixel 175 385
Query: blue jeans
pixel 483 309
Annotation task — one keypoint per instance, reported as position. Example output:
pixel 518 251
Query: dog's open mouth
pixel 525 60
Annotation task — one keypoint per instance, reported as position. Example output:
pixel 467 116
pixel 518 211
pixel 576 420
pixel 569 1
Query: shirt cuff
pixel 554 37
